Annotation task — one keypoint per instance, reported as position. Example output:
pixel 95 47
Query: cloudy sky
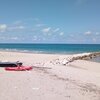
pixel 50 21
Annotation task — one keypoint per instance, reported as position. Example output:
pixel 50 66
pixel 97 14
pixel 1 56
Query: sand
pixel 78 80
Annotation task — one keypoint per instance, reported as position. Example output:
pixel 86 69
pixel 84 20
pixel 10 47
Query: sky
pixel 50 21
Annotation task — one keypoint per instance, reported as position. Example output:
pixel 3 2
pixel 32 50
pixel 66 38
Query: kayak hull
pixel 22 68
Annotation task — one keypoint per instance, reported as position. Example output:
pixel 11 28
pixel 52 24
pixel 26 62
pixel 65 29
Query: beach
pixel 49 79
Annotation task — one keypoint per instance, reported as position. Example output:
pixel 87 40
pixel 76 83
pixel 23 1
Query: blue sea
pixel 51 48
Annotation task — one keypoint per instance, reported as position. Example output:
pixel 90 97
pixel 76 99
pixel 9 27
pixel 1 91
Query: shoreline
pixel 89 56
pixel 35 52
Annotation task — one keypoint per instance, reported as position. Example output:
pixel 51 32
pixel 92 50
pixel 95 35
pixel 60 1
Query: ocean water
pixel 52 48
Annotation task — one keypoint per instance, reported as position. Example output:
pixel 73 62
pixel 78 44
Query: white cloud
pixel 94 39
pixel 8 38
pixel 88 33
pixel 56 30
pixel 46 30
pixel 34 38
pixel 43 39
pixel 20 27
pixel 62 33
pixel 36 19
pixel 71 35
pixel 39 25
pixel 3 27
pixel 14 38
pixel 17 22
pixel 16 27
pixel 97 33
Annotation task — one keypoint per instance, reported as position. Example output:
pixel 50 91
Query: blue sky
pixel 50 21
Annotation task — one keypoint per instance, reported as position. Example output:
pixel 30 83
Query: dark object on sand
pixel 10 64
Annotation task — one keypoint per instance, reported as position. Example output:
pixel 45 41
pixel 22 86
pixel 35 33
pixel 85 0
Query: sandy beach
pixel 48 80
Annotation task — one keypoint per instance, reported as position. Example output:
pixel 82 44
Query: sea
pixel 50 48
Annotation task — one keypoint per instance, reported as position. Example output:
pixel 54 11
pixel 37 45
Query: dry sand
pixel 79 80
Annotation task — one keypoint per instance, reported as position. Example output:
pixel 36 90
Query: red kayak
pixel 21 68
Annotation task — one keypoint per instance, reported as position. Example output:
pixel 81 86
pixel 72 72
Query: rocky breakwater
pixel 71 58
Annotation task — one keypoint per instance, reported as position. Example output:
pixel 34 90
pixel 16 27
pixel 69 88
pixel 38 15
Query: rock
pixel 64 62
